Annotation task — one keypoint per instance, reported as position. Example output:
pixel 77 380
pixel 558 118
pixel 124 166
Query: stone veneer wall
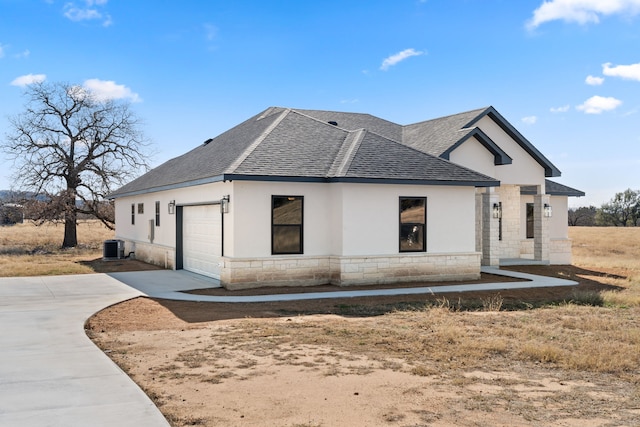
pixel 560 252
pixel 526 248
pixel 162 256
pixel 510 198
pixel 274 271
pixel 345 271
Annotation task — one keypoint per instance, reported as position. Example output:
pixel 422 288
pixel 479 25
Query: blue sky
pixel 566 73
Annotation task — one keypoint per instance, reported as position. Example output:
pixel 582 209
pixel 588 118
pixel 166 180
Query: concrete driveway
pixel 51 374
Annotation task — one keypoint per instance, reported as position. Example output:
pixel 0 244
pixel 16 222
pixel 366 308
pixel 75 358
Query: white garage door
pixel 202 239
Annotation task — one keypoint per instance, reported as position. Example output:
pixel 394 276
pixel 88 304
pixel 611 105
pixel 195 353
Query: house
pixel 306 197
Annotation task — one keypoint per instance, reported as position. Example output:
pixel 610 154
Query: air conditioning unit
pixel 113 249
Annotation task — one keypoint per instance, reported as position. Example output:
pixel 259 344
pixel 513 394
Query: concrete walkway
pixel 168 284
pixel 51 374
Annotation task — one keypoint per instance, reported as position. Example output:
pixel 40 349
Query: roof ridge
pixel 315 119
pixel 447 116
pixel 347 152
pixel 250 149
pixel 270 111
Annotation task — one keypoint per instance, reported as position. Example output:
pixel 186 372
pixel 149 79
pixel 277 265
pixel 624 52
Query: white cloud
pixel 530 120
pixel 594 81
pixel 599 104
pixel 87 11
pixel 210 31
pixel 1 50
pixel 105 90
pixel 581 11
pixel 400 56
pixel 562 109
pixel 629 72
pixel 24 54
pixel 28 79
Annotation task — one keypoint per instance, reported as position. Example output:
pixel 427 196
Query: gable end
pixel 499 156
pixel 549 168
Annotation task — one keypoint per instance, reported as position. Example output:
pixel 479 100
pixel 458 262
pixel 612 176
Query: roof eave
pixel 362 180
pixel 203 181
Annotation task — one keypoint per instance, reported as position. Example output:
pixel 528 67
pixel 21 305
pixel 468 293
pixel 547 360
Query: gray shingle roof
pixel 381 158
pixel 286 144
pixel 438 135
pixel 554 189
pixel 353 121
pixel 298 146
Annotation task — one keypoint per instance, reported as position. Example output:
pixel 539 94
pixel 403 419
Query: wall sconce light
pixel 224 204
pixel 497 210
pixel 548 211
pixel 172 207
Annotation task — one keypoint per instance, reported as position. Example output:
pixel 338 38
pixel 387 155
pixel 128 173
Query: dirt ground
pixel 437 360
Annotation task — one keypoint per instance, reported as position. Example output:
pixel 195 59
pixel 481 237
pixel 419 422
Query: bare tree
pixel 74 148
pixel 583 216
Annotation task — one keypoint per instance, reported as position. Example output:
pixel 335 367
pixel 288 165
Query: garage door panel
pixel 202 239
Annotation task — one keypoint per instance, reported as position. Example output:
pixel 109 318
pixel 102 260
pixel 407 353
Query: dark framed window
pixel 529 220
pixel 286 224
pixel 133 214
pixel 157 214
pixel 413 220
pixel 140 208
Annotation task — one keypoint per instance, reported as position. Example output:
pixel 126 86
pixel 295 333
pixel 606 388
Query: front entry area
pixel 202 239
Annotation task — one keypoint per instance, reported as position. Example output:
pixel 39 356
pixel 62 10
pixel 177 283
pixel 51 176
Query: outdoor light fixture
pixel 224 204
pixel 547 210
pixel 172 207
pixel 497 210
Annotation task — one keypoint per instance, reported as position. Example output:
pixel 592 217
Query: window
pixel 133 214
pixel 157 214
pixel 140 208
pixel 529 221
pixel 286 224
pixel 413 218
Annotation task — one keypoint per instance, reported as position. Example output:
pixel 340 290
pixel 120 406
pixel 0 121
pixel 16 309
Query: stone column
pixel 490 230
pixel 541 239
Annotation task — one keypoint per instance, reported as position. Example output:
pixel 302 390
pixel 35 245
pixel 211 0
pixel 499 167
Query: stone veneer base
pixel 345 271
pixel 162 256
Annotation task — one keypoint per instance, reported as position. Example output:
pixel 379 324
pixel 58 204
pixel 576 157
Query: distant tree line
pixel 18 206
pixel 621 211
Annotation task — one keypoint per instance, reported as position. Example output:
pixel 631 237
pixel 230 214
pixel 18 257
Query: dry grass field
pixel 30 250
pixel 554 357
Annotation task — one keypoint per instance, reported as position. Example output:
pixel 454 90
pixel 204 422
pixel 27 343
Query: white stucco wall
pixel 339 219
pixel 251 212
pixel 474 155
pixel 161 250
pixel 371 218
pixel 523 170
pixel 351 219
pixel 559 222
